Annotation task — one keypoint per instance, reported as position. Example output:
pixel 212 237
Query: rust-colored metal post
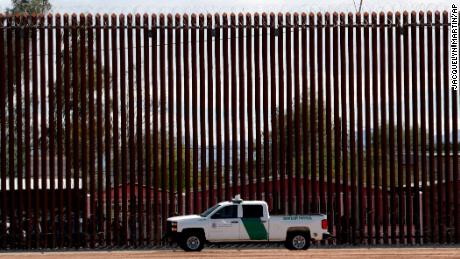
pixel 342 102
pixel 258 108
pixel 226 92
pixel 210 87
pixel 392 210
pixel 185 32
pixel 383 128
pixel 335 62
pixel 83 128
pixel 91 124
pixel 367 109
pixel 274 145
pixel 290 145
pixel 281 88
pixel 375 127
pixel 139 133
pixel 266 133
pixel 196 204
pixel 351 106
pixel 249 89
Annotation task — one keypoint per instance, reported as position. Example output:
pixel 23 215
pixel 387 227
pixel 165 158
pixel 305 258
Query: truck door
pixel 254 223
pixel 224 224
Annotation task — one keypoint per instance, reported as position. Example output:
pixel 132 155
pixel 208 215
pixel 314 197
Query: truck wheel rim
pixel 298 242
pixel 193 242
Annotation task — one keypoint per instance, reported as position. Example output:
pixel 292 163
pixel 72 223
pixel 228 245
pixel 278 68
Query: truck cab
pixel 245 221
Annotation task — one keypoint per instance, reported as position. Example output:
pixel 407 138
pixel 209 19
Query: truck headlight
pixel 174 226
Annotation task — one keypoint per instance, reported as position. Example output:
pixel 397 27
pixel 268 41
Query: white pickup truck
pixel 245 221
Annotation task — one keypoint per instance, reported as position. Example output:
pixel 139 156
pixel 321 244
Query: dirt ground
pixel 351 253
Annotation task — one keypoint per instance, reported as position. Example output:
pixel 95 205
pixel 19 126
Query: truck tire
pixel 192 241
pixel 297 241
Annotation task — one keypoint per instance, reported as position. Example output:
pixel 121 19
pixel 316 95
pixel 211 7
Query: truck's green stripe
pixel 255 228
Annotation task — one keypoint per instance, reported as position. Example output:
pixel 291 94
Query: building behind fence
pixel 111 124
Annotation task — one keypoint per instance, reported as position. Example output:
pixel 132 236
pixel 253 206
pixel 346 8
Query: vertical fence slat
pixel 115 150
pixel 170 94
pixel 234 137
pixel 407 137
pixel 351 107
pixel 217 53
pixel 226 85
pixel 250 163
pixel 241 102
pixel 258 108
pixel 375 126
pixel 139 132
pixel 91 124
pixel 392 210
pixel 368 128
pixel 438 118
pixel 433 205
pixel 288 125
pixel 399 120
pixel 298 145
pixel 383 127
pixel 148 145
pixel 335 62
pixel 304 100
pixel 178 114
pixel 196 204
pixel 423 126
pixel 19 137
pixel 281 88
pixel 342 102
pixel 18 166
pixel 188 201
pixel 203 144
pixel 359 105
pixel 164 176
pixel 265 86
pixel 313 113
pixel 210 87
pixel 68 132
pixel 155 147
pixel 107 133
pixel 27 148
pixel 43 128
pixel 447 132
pixel 84 133
pixel 59 117
pixel 320 112
pixel 274 145
pixel 415 126
pixel 131 145
pixel 327 63
pixel 297 108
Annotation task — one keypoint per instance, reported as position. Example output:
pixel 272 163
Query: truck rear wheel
pixel 298 241
pixel 192 242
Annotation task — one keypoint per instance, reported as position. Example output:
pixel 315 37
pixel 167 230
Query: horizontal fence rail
pixel 111 124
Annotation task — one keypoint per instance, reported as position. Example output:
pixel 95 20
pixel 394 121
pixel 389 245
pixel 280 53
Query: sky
pixel 212 6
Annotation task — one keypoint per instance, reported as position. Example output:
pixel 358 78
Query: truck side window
pixel 253 211
pixel 227 212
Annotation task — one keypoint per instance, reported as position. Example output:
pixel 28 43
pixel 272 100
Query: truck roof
pixel 242 202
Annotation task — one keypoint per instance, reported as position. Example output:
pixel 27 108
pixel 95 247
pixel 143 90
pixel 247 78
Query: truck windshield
pixel 208 211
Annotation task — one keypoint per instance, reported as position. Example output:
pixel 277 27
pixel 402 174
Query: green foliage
pixel 29 7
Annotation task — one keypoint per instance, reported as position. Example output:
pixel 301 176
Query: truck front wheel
pixel 298 241
pixel 192 242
